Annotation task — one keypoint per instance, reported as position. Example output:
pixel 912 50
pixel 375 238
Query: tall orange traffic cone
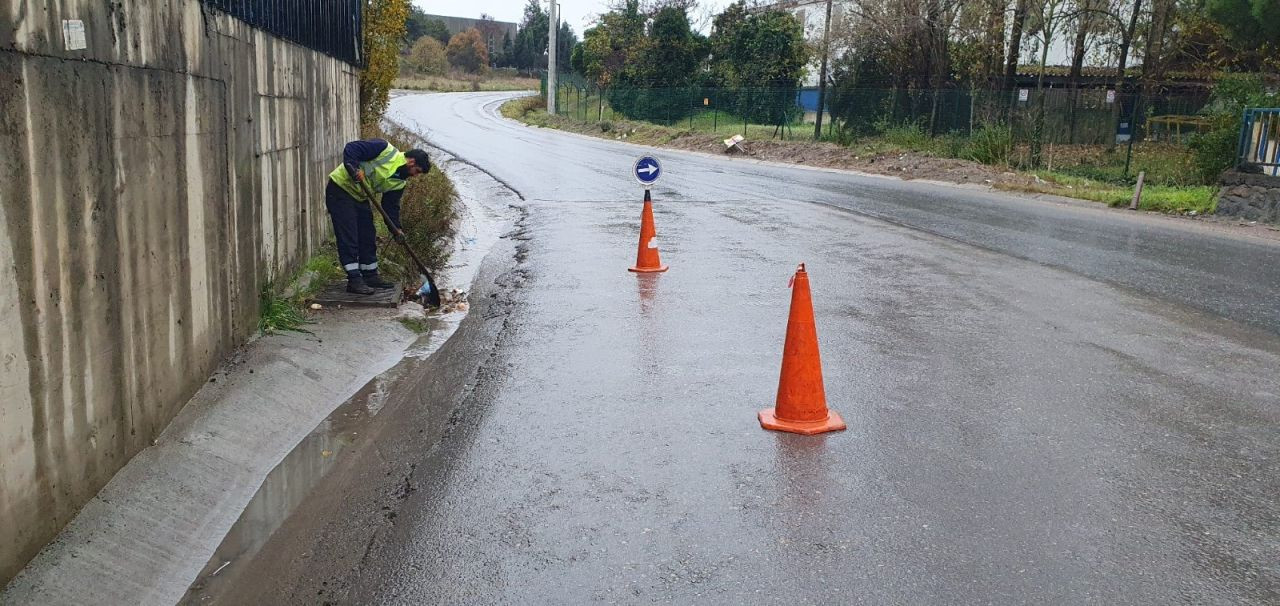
pixel 647 260
pixel 802 401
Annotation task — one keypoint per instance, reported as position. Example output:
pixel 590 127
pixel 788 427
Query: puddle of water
pixel 289 484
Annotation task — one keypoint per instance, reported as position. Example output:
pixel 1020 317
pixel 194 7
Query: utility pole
pixel 554 28
pixel 822 73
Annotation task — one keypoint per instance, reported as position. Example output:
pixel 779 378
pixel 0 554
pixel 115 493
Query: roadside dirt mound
pixel 908 165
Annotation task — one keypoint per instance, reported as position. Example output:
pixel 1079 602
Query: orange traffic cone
pixel 802 401
pixel 647 260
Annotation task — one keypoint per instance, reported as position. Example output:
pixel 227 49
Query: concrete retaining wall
pixel 153 182
pixel 1249 196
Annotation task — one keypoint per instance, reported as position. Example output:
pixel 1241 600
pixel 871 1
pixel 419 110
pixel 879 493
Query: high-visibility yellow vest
pixel 379 173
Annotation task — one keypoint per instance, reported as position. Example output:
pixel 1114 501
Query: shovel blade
pixel 427 293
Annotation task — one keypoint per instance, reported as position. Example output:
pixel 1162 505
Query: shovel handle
pixel 433 297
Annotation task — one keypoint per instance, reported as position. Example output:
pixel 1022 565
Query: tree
pixel 762 55
pixel 466 51
pixel 384 24
pixel 507 57
pixel 565 41
pixel 428 57
pixel 1248 22
pixel 1085 19
pixel 658 87
pixel 608 48
pixel 1247 33
pixel 419 25
pixel 1015 45
pixel 531 40
pixel 1046 20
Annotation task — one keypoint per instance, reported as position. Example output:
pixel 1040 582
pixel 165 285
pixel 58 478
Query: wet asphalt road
pixel 1046 404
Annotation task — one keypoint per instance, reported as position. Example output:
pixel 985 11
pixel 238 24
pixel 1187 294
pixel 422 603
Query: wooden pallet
pixel 336 295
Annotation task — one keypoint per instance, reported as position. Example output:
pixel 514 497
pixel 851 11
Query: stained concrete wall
pixel 153 183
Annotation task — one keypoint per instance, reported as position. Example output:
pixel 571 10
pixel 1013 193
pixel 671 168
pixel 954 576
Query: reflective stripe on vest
pixel 379 173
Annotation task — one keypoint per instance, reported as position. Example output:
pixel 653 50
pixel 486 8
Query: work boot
pixel 356 285
pixel 373 280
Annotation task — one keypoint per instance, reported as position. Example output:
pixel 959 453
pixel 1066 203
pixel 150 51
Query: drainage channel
pixel 290 483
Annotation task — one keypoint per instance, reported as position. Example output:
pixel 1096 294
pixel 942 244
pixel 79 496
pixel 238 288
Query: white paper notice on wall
pixel 1024 94
pixel 1111 96
pixel 73 34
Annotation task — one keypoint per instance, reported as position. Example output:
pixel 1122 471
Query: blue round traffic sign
pixel 647 170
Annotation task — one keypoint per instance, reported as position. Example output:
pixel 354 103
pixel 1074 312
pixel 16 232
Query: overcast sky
pixel 577 13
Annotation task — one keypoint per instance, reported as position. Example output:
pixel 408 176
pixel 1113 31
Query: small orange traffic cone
pixel 802 400
pixel 647 260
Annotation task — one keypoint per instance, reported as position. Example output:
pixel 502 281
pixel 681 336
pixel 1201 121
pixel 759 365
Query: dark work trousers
pixel 353 227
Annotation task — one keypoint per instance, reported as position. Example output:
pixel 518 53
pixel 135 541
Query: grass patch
pixel 278 313
pixel 532 111
pixel 460 83
pixel 521 108
pixel 591 109
pixel 1202 199
pixel 418 325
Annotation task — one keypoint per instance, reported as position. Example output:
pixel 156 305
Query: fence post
pixel 1137 191
pixel 1245 127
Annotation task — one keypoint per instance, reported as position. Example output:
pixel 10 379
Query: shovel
pixel 428 292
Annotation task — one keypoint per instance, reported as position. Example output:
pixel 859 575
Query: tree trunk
pixel 1015 48
pixel 1083 24
pixel 1037 133
pixel 937 45
pixel 995 42
pixel 1125 40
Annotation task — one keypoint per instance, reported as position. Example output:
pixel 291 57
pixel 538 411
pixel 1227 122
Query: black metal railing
pixel 333 27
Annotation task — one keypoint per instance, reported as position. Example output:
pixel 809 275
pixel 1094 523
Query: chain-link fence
pixel 1081 116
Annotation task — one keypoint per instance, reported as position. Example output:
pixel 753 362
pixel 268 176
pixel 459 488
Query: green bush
pixel 278 313
pixel 1215 150
pixel 907 135
pixel 990 145
pixel 427 57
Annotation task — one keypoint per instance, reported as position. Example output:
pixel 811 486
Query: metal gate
pixel 1260 139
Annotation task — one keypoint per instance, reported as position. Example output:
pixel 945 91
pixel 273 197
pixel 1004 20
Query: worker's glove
pixel 398 236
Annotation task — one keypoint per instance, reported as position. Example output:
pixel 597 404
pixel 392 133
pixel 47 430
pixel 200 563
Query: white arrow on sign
pixel 647 170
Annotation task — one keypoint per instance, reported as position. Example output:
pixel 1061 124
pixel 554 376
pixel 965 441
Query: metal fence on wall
pixel 332 27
